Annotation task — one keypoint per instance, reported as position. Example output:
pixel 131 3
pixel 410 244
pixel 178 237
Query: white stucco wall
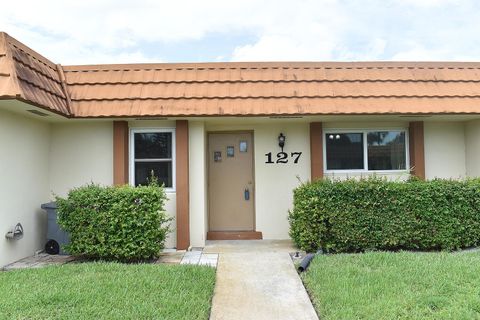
pixel 198 183
pixel 472 148
pixel 80 153
pixel 444 150
pixel 275 182
pixel 171 210
pixel 24 183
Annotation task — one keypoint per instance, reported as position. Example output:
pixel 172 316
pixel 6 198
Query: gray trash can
pixel 56 237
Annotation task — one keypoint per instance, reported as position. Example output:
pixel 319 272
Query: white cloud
pixel 108 31
pixel 283 48
pixel 71 51
pixel 429 3
pixel 420 53
pixel 308 31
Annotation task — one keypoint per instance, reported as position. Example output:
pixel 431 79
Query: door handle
pixel 246 194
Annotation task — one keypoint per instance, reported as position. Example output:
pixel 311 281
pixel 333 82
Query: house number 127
pixel 282 157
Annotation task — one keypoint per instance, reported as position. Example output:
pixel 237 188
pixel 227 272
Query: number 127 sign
pixel 283 157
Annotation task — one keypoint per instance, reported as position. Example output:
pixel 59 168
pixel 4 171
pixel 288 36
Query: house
pixel 229 140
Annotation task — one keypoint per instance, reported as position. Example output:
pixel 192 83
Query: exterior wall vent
pixel 286 117
pixel 38 113
pixel 152 118
pixel 415 116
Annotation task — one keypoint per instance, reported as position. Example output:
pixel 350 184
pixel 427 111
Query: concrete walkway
pixel 257 280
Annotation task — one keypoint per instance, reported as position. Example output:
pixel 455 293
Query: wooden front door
pixel 231 182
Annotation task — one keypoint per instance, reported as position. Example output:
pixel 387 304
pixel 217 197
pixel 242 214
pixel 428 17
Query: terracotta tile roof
pixel 273 88
pixel 28 76
pixel 250 89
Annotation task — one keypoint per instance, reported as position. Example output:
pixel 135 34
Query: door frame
pixel 231 235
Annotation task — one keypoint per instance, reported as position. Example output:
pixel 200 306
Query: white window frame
pixel 132 154
pixel 364 133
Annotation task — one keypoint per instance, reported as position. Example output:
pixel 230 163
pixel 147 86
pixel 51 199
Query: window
pixel 344 151
pixel 153 151
pixel 366 150
pixel 386 150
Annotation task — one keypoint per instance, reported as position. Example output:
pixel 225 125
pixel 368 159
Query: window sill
pixel 366 172
pixel 167 190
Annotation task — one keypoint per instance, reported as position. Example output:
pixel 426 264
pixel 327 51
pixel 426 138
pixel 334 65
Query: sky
pixel 119 31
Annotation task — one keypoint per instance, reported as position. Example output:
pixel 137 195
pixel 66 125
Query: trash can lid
pixel 49 205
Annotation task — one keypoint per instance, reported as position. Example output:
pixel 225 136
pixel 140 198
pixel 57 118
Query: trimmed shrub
pixel 376 214
pixel 121 223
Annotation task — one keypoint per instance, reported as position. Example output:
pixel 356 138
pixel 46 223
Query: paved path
pixel 257 280
pixel 200 258
pixel 38 261
pixel 168 256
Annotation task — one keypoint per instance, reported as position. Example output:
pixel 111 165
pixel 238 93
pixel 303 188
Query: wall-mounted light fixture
pixel 281 141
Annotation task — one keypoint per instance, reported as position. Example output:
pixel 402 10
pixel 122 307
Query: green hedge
pixel 122 223
pixel 375 214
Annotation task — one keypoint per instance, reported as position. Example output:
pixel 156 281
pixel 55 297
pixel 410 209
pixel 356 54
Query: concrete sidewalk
pixel 257 280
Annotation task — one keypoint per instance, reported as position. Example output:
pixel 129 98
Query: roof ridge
pixel 63 83
pixel 34 54
pixel 3 44
pixel 356 65
pixel 471 96
pixel 3 53
pixel 143 82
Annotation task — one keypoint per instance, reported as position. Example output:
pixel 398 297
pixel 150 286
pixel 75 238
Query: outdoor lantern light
pixel 281 141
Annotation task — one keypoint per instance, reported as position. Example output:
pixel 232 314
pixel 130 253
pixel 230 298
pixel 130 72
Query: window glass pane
pixel 153 145
pixel 344 151
pixel 161 170
pixel 386 150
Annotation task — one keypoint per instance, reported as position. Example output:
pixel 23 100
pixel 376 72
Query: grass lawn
pixel 395 285
pixel 107 291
